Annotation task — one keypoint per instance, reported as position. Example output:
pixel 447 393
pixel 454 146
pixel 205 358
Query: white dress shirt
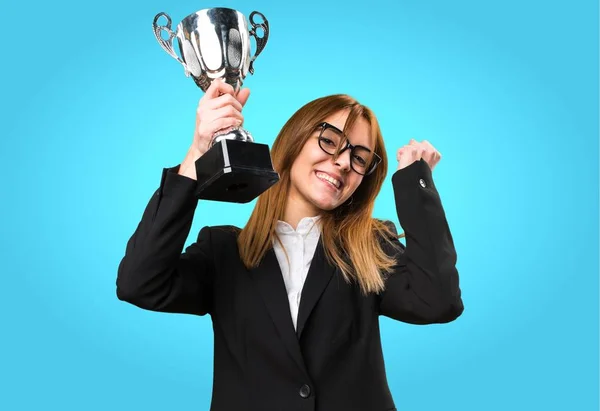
pixel 300 245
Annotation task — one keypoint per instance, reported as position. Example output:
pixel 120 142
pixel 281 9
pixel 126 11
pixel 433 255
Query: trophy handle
pixel 167 45
pixel 260 41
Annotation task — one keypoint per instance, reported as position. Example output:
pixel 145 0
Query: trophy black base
pixel 235 172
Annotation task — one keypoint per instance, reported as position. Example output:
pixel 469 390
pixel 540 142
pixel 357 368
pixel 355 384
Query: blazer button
pixel 305 391
pixel 422 182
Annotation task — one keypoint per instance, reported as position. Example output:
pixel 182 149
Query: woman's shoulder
pixel 386 230
pixel 224 233
pixel 384 226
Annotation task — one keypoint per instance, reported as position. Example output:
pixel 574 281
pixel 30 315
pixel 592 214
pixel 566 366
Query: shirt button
pixel 422 182
pixel 305 391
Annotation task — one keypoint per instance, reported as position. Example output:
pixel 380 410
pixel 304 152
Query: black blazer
pixel 334 361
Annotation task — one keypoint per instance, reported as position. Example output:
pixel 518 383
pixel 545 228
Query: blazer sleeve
pixel 424 285
pixel 154 274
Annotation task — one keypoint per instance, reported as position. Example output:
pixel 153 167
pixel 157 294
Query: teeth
pixel 328 178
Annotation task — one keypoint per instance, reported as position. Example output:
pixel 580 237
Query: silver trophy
pixel 215 44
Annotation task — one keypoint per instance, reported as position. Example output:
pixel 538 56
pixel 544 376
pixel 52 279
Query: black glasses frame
pixel 376 158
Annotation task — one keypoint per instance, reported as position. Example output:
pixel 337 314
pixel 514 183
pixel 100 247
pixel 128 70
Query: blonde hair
pixel 351 237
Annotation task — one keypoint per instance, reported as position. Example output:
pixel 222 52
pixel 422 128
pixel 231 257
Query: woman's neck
pixel 296 209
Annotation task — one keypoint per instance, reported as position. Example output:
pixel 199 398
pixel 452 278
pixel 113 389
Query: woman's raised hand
pixel 415 151
pixel 218 109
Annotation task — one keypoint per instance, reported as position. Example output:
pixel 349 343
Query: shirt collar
pixel 306 225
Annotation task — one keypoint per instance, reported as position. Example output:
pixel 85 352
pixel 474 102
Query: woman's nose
pixel 343 160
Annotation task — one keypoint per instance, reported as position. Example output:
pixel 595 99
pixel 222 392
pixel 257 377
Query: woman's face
pixel 317 181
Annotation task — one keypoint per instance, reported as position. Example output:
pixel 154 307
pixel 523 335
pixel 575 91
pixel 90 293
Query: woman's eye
pixel 360 160
pixel 327 141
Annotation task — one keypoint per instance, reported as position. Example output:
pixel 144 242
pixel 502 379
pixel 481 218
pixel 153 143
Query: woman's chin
pixel 325 204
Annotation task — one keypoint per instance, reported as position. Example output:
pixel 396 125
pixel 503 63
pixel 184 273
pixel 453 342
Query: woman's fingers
pixel 243 95
pixel 227 111
pixel 222 123
pixel 222 101
pixel 415 151
pixel 218 87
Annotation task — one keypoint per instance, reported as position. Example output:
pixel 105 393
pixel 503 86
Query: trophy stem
pixel 235 133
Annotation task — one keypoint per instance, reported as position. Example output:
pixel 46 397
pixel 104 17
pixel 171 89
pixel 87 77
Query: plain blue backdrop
pixel 92 109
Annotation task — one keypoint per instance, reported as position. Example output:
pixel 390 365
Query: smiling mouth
pixel 328 179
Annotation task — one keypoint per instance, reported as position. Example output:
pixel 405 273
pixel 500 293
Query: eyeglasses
pixel 363 161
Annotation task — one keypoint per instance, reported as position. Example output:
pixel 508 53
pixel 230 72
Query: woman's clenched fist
pixel 219 109
pixel 415 151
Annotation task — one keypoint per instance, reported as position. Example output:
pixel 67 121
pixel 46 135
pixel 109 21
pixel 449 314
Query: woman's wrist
pixel 188 165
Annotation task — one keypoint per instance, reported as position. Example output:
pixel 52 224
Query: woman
pixel 295 296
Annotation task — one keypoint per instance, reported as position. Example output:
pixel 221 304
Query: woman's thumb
pixel 242 95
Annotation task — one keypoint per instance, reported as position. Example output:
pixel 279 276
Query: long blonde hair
pixel 350 235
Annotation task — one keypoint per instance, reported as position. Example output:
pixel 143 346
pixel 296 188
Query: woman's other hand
pixel 415 151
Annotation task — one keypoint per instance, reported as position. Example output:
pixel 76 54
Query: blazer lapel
pixel 269 280
pixel 319 275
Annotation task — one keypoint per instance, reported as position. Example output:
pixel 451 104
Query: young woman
pixel 295 296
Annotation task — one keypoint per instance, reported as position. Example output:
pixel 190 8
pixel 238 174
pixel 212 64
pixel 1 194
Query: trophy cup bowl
pixel 215 44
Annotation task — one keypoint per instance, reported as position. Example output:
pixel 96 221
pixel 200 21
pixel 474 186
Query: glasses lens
pixel 330 140
pixel 362 160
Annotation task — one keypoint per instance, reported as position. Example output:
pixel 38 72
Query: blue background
pixel 92 109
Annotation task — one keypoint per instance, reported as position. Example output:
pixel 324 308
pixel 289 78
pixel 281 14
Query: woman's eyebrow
pixel 360 145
